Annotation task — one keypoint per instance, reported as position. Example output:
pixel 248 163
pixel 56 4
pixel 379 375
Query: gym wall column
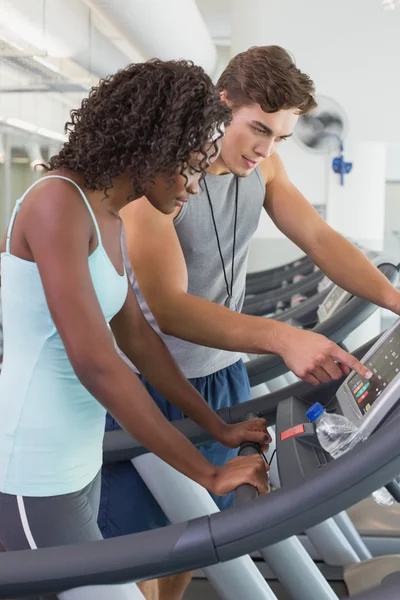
pixel 5 205
pixel 357 211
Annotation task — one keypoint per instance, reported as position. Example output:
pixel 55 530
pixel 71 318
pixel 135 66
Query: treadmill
pixel 279 269
pixel 379 527
pixel 302 312
pixel 267 280
pixel 332 312
pixel 339 315
pixel 320 489
pixel 299 453
pixel 192 501
pixel 265 303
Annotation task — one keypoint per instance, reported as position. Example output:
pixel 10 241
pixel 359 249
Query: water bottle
pixel 337 435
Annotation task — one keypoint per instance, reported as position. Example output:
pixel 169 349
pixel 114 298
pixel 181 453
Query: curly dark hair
pixel 144 120
pixel 268 76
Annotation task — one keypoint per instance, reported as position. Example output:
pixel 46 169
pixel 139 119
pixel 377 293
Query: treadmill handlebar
pixel 247 492
pixel 271 280
pixel 120 445
pixel 135 557
pixel 219 537
pixel 263 304
pixel 279 269
pixel 305 308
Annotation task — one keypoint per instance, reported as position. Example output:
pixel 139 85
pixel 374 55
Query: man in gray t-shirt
pixel 188 270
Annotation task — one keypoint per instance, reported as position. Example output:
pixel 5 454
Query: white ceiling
pixel 216 14
pixel 341 62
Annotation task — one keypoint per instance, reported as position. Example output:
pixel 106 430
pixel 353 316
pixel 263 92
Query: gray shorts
pixel 38 522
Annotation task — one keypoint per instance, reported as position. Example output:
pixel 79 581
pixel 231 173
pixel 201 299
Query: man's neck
pixel 218 167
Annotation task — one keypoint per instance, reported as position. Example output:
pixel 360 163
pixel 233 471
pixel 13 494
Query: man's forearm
pixel 349 268
pixel 206 323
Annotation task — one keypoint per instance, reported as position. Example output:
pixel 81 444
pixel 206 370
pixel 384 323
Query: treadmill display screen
pixel 332 298
pixel 385 365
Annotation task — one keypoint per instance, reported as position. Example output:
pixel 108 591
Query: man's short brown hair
pixel 268 76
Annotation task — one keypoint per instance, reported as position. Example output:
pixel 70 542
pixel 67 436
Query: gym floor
pixel 199 589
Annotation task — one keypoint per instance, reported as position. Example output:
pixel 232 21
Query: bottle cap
pixel 315 412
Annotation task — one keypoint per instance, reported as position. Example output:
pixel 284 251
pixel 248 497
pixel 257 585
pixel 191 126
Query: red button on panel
pixel 365 394
pixel 292 432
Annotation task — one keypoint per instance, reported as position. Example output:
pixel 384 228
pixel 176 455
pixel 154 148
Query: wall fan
pixel 323 131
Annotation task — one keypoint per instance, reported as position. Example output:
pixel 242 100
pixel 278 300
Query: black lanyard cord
pixel 230 293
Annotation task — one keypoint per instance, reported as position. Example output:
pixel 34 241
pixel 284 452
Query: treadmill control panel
pixel 367 401
pixel 385 365
pixel 336 298
pixel 324 284
pixel 333 298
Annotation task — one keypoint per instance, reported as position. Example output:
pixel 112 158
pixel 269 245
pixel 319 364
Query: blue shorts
pixel 126 504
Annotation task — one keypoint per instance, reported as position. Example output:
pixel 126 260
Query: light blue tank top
pixel 51 427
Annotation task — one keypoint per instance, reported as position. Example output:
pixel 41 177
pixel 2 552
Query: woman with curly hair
pixel 149 129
